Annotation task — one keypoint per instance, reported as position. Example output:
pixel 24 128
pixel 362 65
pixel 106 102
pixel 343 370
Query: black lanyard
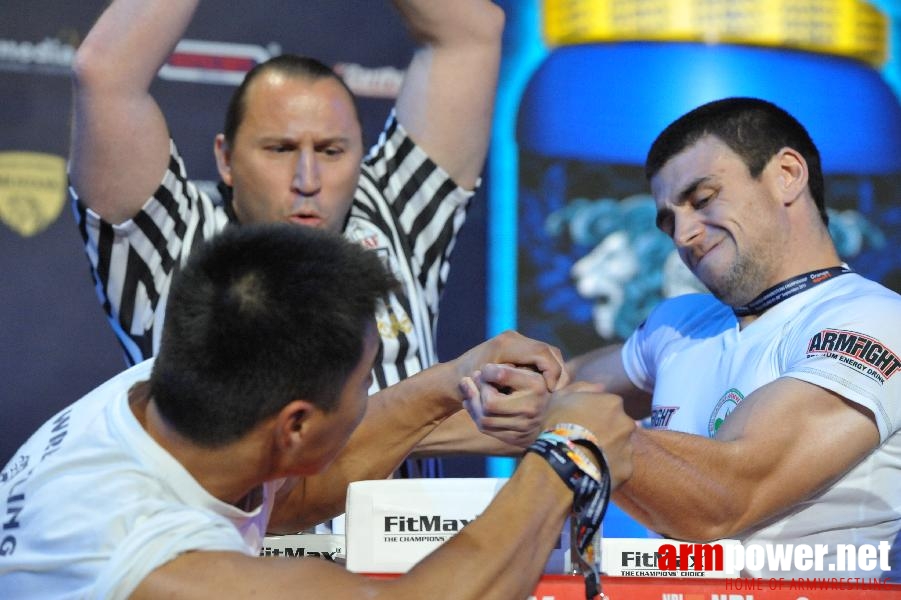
pixel 791 287
pixel 561 448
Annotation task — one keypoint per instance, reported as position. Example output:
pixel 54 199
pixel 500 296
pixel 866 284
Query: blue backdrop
pixel 55 344
pixel 571 124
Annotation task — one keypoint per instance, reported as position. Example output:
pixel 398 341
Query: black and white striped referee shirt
pixel 406 208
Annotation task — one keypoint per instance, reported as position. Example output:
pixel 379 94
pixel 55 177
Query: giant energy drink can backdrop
pixel 591 264
pixel 574 257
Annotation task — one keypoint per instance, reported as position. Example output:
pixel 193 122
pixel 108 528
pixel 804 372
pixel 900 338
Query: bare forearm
pixel 463 21
pixel 130 42
pixel 687 486
pixel 397 418
pixel 458 434
pixel 446 102
pixel 763 461
pixel 120 140
pixel 501 554
pixel 604 367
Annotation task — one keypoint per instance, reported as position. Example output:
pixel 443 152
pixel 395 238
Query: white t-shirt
pixel 93 504
pixel 843 335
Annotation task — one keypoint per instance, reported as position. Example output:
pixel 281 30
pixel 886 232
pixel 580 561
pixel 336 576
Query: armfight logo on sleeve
pixel 661 415
pixel 857 351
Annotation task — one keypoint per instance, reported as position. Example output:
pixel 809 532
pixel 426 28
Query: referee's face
pixel 296 155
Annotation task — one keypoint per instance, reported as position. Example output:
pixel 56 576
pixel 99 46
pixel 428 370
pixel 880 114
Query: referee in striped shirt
pixel 291 150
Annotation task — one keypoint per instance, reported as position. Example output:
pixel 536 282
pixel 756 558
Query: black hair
pixel 752 128
pixel 262 315
pixel 302 67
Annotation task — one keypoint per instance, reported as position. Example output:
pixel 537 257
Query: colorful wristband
pixel 563 447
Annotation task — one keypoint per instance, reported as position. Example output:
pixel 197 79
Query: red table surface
pixel 565 587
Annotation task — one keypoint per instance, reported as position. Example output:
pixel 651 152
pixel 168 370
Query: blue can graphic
pixel 591 264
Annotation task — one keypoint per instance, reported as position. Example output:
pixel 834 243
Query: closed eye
pixel 700 202
pixel 331 150
pixel 280 148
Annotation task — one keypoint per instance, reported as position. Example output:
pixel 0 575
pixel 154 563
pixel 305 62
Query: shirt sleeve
pixel 157 540
pixel 405 193
pixel 669 324
pixel 133 263
pixel 851 348
pixel 172 530
pixel 638 358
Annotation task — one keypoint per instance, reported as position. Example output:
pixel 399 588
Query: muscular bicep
pixel 120 141
pixel 119 153
pixel 446 102
pixel 790 439
pixel 785 442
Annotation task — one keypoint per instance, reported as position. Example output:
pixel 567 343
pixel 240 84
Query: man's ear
pixel 791 174
pixel 223 159
pixel 292 424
